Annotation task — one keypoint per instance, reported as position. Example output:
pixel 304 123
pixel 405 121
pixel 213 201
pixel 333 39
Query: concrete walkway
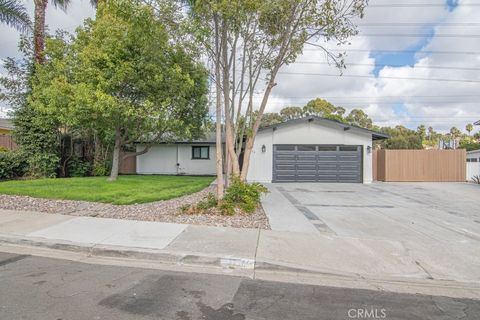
pixel 263 254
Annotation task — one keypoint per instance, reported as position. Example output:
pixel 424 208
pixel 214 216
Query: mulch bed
pixel 162 211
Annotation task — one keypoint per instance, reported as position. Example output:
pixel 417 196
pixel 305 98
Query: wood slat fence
pixel 419 165
pixel 6 141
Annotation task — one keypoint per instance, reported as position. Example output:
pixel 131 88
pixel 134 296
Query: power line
pixel 383 77
pixel 420 5
pixel 369 97
pixel 420 24
pixel 413 35
pixel 389 65
pixel 391 51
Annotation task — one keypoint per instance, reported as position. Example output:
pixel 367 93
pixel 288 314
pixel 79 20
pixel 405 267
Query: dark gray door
pixel 317 163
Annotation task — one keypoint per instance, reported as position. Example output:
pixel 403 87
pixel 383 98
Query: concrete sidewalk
pixel 263 254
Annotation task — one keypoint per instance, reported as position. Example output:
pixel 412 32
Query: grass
pixel 126 190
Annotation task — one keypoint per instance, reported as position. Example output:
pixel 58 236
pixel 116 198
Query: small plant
pixel 210 201
pixel 476 179
pixel 13 164
pixel 242 195
pixel 78 167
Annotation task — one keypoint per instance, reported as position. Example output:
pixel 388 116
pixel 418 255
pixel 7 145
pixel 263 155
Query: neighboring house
pixel 310 149
pixel 6 126
pixel 6 139
pixel 477 123
pixel 473 164
pixel 473 156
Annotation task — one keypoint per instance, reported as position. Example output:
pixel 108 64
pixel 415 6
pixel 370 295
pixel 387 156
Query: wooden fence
pixel 6 141
pixel 128 165
pixel 419 165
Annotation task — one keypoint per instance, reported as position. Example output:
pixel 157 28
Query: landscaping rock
pixel 163 211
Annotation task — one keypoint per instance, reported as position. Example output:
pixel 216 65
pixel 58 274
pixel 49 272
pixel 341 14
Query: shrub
pixel 239 195
pixel 101 168
pixel 13 164
pixel 242 195
pixel 210 201
pixel 43 165
pixel 3 149
pixel 78 167
pixel 476 179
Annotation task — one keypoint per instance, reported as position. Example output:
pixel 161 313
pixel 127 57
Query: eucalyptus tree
pixel 15 15
pixel 248 42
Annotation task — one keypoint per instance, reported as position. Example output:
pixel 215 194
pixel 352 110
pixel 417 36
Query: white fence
pixel 473 169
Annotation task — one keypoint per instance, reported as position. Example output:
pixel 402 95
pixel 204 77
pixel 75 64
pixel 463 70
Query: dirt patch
pixel 162 211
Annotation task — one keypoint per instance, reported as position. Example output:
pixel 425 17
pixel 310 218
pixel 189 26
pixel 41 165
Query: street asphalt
pixel 39 288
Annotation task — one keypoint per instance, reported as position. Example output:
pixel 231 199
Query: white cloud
pixel 377 102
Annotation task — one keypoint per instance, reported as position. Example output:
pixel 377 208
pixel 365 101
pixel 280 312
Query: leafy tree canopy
pixel 123 74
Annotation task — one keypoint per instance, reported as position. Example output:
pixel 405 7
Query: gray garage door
pixel 317 163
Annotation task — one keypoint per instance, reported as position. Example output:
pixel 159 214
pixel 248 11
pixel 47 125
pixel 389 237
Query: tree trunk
pixel 116 155
pixel 256 126
pixel 39 30
pixel 218 124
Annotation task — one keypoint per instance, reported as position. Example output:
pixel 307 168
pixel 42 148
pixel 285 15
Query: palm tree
pixel 39 25
pixel 15 14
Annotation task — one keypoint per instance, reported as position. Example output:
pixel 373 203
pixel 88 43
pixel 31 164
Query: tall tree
pixel 250 41
pixel 469 128
pixel 15 15
pixel 39 25
pixel 124 75
pixel 359 118
pixel 290 113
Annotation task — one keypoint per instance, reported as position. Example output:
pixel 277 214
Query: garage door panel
pixel 317 163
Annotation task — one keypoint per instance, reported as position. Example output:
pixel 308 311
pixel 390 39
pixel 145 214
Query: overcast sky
pixel 414 40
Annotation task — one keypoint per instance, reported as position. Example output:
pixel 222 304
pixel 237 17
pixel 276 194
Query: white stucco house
pixel 473 164
pixel 309 149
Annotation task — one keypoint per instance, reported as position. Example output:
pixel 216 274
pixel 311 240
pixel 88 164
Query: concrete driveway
pixel 435 226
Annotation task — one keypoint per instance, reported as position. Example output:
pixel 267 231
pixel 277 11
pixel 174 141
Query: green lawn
pixel 126 190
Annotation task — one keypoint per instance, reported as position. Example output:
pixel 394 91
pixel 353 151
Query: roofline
pixel 375 134
pixel 473 151
pixel 477 123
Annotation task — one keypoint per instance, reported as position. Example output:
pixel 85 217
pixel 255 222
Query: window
pixel 472 160
pixel 200 152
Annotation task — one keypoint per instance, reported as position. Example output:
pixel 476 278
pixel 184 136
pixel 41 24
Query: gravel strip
pixel 163 211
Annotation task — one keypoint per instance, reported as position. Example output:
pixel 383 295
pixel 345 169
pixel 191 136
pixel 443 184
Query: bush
pixel 239 195
pixel 3 149
pixel 242 195
pixel 101 168
pixel 78 167
pixel 210 201
pixel 43 165
pixel 13 164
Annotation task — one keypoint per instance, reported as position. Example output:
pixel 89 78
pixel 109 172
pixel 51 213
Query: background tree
pixel 422 131
pixel 359 118
pixel 123 75
pixel 469 128
pixel 15 15
pixel 290 113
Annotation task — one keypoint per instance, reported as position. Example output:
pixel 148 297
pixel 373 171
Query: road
pixel 41 288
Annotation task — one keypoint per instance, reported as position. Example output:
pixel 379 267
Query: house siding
pixel 163 159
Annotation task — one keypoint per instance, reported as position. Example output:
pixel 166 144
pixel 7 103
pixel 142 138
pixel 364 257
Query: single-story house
pixel 473 156
pixel 310 149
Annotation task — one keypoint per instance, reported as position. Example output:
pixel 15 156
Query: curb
pixel 110 251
